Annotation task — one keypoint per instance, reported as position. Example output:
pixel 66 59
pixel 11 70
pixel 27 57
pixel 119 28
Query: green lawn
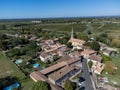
pixel 116 77
pixel 8 68
pixel 27 84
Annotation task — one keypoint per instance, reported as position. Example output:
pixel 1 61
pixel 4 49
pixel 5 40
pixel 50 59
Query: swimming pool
pixel 36 65
pixel 19 61
pixel 12 86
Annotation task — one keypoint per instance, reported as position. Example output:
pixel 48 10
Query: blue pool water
pixel 19 61
pixel 11 87
pixel 35 65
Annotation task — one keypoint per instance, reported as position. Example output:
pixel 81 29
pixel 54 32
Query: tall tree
pixel 69 45
pixel 95 46
pixel 90 63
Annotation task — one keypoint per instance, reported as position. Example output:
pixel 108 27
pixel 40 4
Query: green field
pixel 61 27
pixel 116 77
pixel 8 68
pixel 114 33
pixel 27 84
pixel 96 28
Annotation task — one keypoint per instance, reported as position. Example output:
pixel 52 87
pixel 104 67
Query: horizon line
pixel 61 17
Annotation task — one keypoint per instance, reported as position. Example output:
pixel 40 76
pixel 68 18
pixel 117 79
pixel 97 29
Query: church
pixel 76 43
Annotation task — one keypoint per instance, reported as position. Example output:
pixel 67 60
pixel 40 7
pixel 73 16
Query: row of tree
pixel 29 50
pixel 94 45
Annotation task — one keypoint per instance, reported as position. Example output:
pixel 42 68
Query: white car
pixel 80 83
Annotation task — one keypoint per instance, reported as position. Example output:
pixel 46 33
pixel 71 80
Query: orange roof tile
pixel 59 74
pixel 36 76
pixel 53 68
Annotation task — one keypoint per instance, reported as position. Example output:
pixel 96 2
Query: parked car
pixel 82 88
pixel 81 79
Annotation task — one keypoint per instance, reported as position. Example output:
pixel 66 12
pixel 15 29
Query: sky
pixel 57 8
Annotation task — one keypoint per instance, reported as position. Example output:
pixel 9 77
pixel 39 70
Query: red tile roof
pixel 53 68
pixel 37 76
pixel 96 58
pixel 77 40
pixel 64 58
pixel 88 51
pixel 73 60
pixel 62 72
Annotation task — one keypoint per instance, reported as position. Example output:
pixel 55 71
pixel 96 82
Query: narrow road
pixel 86 75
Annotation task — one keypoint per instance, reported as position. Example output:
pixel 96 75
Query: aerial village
pixel 79 64
pixel 70 63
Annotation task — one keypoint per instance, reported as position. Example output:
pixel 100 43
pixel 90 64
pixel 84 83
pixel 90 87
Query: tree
pixel 23 50
pixel 63 40
pixel 13 52
pixel 90 63
pixel 3 36
pixel 104 38
pixel 106 58
pixel 7 81
pixel 1 45
pixel 104 35
pixel 39 30
pixel 40 86
pixel 75 35
pixel 88 44
pixel 31 53
pixel 2 27
pixel 89 32
pixel 15 41
pixel 68 85
pixel 69 45
pixel 95 46
pixel 75 49
pixel 24 40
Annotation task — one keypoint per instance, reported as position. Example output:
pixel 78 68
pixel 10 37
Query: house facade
pixel 95 58
pixel 88 52
pixel 46 57
pixel 107 52
pixel 62 51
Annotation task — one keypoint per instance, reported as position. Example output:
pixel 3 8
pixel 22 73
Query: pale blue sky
pixel 57 8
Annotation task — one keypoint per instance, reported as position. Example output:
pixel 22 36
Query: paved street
pixel 88 82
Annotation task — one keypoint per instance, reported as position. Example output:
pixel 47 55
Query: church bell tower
pixel 72 36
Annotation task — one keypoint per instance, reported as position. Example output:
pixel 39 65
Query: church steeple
pixel 72 36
